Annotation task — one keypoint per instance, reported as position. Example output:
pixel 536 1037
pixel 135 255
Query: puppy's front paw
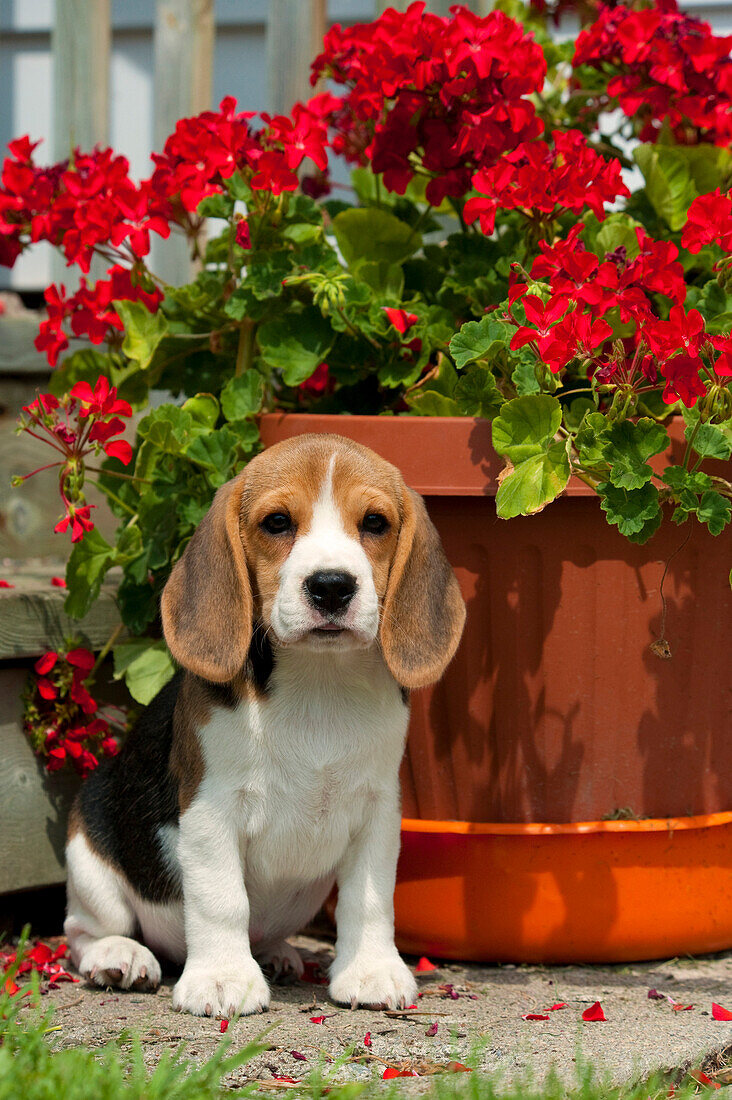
pixel 215 990
pixel 118 960
pixel 378 979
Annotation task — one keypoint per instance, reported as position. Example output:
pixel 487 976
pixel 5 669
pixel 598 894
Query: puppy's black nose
pixel 330 591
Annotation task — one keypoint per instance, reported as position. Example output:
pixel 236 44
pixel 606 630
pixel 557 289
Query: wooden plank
pixel 295 30
pixel 34 806
pixel 32 618
pixel 184 45
pixel 80 41
pixel 18 354
pixel 81 45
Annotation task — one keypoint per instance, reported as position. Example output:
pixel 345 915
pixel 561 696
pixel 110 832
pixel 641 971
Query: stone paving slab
pixel 639 1035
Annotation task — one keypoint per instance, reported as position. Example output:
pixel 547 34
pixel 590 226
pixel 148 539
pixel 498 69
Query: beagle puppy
pixel 314 594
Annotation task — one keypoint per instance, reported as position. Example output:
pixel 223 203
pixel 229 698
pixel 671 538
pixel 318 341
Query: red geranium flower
pixel 400 318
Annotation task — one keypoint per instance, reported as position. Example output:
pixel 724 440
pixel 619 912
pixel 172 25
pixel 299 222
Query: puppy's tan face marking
pixel 319 525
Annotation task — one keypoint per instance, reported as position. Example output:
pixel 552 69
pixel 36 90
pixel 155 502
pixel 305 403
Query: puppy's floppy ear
pixel 207 603
pixel 424 612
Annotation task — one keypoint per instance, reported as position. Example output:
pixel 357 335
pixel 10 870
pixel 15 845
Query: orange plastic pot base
pixel 601 891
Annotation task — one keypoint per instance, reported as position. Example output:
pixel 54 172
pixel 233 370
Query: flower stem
pixel 113 496
pixel 354 331
pixel 105 649
pixel 245 348
pixel 690 444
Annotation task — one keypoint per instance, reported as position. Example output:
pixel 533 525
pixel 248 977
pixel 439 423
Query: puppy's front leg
pixel 220 976
pixel 367 968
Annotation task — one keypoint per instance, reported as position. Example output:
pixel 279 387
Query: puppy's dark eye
pixel 276 523
pixel 374 523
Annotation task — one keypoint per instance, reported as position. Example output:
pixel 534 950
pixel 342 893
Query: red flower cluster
pixel 709 221
pixel 38 957
pixel 669 67
pixel 546 179
pixel 90 206
pixel 89 311
pixel 80 206
pixel 574 322
pixel 96 421
pixel 450 93
pixel 207 149
pixel 59 710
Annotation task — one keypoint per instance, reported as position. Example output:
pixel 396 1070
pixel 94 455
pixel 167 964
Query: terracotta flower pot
pixel 555 709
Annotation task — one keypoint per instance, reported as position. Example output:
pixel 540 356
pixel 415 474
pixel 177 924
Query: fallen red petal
pixel 701 1078
pixel 391 1072
pixel 424 965
pixel 654 995
pixel 720 1013
pixel 300 1057
pixel 458 1067
pixel 557 1006
pixel 6 584
pixel 313 974
pixel 367 1039
pixel 432 1029
pixel 224 1026
pixel 594 1012
pixel 682 1008
pixel 58 582
pixel 534 1016
pixel 317 1019
pixel 289 1080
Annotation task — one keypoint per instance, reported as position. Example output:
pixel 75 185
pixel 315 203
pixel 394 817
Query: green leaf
pixel 526 488
pixel 238 187
pixel 145 666
pixel 477 394
pixel 711 442
pixel 432 403
pixel 526 426
pixel 524 375
pixel 296 344
pixel 574 413
pixel 246 432
pixel 475 339
pixel 302 233
pixel 538 465
pixel 203 408
pixel 590 439
pixel 635 512
pixel 618 230
pixel 143 331
pixel 215 452
pixel 628 445
pixel 678 478
pixel 87 567
pixel 138 602
pixel 714 510
pixel 216 206
pixel 169 428
pixel 371 234
pixel 384 278
pixel 676 174
pixel 242 395
pixel 158 520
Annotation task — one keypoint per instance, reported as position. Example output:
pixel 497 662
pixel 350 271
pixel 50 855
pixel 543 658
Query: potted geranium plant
pixel 503 316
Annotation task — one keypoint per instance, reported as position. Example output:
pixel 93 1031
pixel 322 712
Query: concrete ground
pixel 480 1011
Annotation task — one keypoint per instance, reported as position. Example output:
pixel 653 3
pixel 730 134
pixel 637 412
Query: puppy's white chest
pixel 305 763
